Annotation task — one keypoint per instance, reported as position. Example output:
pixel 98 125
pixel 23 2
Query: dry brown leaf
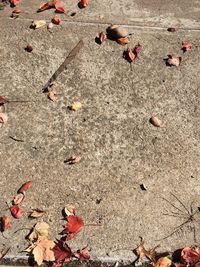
pixel 39 231
pixel 76 106
pixel 5 223
pixel 3 118
pixel 43 251
pixel 69 209
pixel 163 262
pixel 123 40
pixel 36 213
pixel 73 159
pixel 149 254
pixel 18 198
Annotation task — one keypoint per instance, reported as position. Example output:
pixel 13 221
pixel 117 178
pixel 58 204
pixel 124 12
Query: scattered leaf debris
pixel 69 209
pixel 25 187
pixel 16 211
pixel 36 24
pixel 52 4
pixel 186 46
pixel 73 227
pixel 83 3
pixel 18 198
pixel 73 159
pixel 102 37
pixel 56 20
pixel 5 223
pixel 173 61
pixel 62 253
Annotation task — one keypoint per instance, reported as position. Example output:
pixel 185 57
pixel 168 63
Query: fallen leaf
pixel 52 95
pixel 76 106
pixel 3 252
pixel 123 40
pixel 173 61
pixel 16 12
pixel 137 49
pixel 84 3
pixel 3 118
pixel 36 24
pixel 36 213
pixel 69 209
pixel 149 254
pixel 83 254
pixel 18 198
pixel 2 100
pixel 25 187
pixel 102 37
pixel 172 29
pixel 5 223
pixel 60 9
pixel 56 20
pixel 155 121
pixel 62 253
pixel 39 231
pixel 43 251
pixel 16 211
pixel 186 46
pixel 129 55
pixel 46 6
pixel 163 262
pixel 73 227
pixel 73 159
pixel 190 256
pixel 116 31
pixel 14 2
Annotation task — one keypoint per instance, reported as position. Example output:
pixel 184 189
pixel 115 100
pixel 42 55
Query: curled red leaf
pixel 190 256
pixel 14 2
pixel 73 227
pixel 129 55
pixel 16 211
pixel 60 9
pixel 46 6
pixel 56 20
pixel 186 46
pixel 25 187
pixel 82 254
pixel 5 223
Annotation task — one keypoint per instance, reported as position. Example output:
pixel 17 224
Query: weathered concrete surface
pixel 120 149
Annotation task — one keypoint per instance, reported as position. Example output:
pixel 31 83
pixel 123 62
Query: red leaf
pixel 60 9
pixel 190 256
pixel 129 55
pixel 46 6
pixel 14 2
pixel 84 3
pixel 16 211
pixel 73 226
pixel 137 49
pixel 5 223
pixel 62 253
pixel 82 254
pixel 25 187
pixel 56 20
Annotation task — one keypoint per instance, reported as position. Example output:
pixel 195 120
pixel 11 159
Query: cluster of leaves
pixel 187 257
pixel 45 249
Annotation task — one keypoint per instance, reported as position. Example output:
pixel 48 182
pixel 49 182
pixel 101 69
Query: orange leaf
pixel 73 226
pixel 25 187
pixel 5 223
pixel 16 211
pixel 123 40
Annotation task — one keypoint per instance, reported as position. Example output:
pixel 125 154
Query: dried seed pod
pixel 116 32
pixel 155 121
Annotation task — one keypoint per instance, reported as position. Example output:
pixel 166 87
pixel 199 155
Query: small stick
pixel 15 139
pixel 67 60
